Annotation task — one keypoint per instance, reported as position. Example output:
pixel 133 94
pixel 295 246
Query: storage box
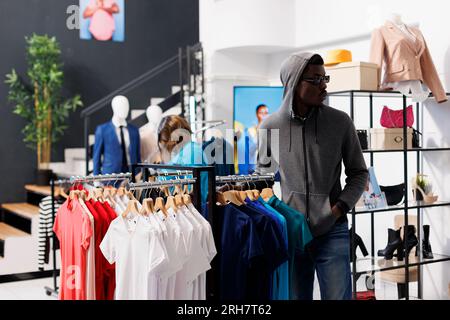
pixel 388 139
pixel 355 75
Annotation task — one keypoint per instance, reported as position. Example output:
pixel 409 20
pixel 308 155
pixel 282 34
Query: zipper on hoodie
pixel 306 170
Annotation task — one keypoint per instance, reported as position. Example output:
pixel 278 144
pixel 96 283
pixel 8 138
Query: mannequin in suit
pixel 117 143
pixel 149 136
pixel 407 62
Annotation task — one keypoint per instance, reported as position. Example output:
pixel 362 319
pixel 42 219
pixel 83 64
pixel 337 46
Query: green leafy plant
pixel 40 101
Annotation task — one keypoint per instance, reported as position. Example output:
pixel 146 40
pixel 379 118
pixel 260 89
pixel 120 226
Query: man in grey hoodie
pixel 307 142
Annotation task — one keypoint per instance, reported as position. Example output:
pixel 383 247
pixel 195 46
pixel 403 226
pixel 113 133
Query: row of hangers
pixel 107 193
pixel 238 197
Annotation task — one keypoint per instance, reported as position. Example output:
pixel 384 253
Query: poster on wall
pixel 102 20
pixel 251 106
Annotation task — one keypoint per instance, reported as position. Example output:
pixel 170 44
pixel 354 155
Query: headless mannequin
pixel 121 108
pixel 148 133
pixel 411 88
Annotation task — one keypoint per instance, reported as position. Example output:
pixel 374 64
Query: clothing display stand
pixel 157 170
pixel 407 205
pixel 73 180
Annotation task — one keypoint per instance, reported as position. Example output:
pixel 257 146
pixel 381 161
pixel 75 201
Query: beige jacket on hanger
pixel 405 59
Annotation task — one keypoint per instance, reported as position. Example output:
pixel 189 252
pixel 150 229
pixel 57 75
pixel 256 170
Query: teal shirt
pixel 299 236
pixel 280 286
pixel 192 155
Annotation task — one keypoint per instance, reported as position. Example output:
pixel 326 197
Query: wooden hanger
pixel 220 198
pixel 266 194
pixel 232 196
pixel 148 206
pixel 159 205
pixel 132 207
pixel 250 195
pixel 187 198
pixel 170 203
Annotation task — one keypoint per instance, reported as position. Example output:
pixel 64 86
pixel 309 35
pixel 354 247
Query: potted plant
pixel 39 100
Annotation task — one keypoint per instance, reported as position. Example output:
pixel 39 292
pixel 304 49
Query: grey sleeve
pixel 355 168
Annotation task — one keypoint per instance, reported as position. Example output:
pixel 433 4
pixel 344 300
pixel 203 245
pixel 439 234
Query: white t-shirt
pixel 171 240
pixel 197 262
pixel 135 247
pixel 180 249
pixel 208 245
pixel 90 257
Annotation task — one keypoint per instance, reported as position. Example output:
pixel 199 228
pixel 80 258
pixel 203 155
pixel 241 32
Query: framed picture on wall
pixel 252 104
pixel 102 20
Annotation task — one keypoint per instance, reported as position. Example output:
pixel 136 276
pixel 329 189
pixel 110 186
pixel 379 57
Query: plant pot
pixel 43 177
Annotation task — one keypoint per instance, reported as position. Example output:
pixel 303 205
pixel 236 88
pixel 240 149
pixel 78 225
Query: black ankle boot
pixel 394 243
pixel 426 246
pixel 358 242
pixel 411 242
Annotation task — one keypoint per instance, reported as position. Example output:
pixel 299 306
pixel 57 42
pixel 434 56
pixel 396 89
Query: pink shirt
pixel 73 229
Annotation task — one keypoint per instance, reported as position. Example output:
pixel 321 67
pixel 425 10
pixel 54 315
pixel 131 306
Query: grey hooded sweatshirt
pixel 308 154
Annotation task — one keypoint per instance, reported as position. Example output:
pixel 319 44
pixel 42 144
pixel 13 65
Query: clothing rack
pixel 73 180
pixel 153 170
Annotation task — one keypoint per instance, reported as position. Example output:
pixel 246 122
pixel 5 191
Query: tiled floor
pixel 26 290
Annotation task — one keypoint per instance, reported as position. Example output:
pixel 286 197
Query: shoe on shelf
pixel 358 242
pixel 426 246
pixel 411 242
pixel 395 243
pixel 418 191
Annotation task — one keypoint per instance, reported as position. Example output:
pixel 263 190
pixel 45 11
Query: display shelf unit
pixel 376 264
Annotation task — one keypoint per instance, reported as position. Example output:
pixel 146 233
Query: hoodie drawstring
pixel 290 131
pixel 315 126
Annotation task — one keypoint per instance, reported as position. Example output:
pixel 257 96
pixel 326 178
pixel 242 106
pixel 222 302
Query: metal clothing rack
pixel 152 170
pixel 73 180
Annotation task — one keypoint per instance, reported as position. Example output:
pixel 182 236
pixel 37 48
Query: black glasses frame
pixel 317 80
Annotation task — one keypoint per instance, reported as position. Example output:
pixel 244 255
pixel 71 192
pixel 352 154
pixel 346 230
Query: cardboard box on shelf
pixel 355 75
pixel 389 138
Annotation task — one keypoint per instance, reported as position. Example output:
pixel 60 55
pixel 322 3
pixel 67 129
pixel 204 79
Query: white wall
pixel 244 50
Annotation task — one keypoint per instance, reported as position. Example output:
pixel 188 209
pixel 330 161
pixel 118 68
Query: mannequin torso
pixel 412 88
pixel 121 108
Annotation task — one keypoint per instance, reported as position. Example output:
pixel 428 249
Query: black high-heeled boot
pixel 358 243
pixel 394 243
pixel 426 246
pixel 411 242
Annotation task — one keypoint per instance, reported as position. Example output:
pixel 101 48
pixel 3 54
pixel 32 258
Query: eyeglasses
pixel 317 80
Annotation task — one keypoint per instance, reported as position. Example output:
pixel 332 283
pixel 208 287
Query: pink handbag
pixel 394 118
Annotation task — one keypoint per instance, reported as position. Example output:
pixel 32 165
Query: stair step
pixel 6 231
pixel 74 153
pixel 36 193
pixel 175 89
pixel 156 101
pixel 136 113
pixel 25 210
pixel 19 215
pixel 42 190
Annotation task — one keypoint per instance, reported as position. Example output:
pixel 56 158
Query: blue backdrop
pixel 246 99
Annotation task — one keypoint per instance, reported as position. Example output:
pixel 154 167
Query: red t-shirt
pixel 108 270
